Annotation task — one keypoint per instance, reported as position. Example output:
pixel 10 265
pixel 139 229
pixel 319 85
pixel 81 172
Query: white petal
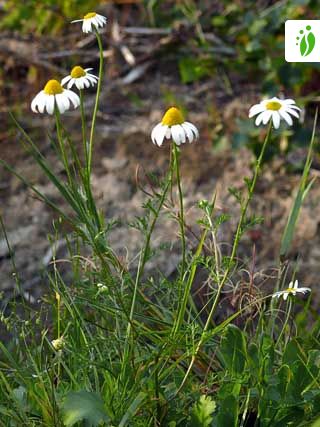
pixel 188 132
pixel 99 21
pixel 288 101
pixel 183 134
pixel 65 80
pixel 293 107
pixel 154 132
pixel 277 294
pixel 168 133
pixel 35 101
pixel 86 26
pixel 304 290
pixel 193 128
pixel 74 98
pixel 79 83
pixel 176 134
pixel 91 80
pixel 60 103
pixel 256 109
pixel 71 83
pixel 88 69
pixel 259 118
pixel 102 19
pixel 296 284
pixel 86 81
pixel 42 101
pixel 285 295
pixel 266 116
pixel 50 104
pixel 276 119
pixel 77 20
pixel 286 117
pixel 160 134
pixel 293 112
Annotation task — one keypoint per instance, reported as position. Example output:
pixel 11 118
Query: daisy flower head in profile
pixel 54 96
pixel 91 21
pixel 174 126
pixel 293 289
pixel 80 78
pixel 275 109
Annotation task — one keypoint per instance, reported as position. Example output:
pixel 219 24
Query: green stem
pixel 233 253
pixel 181 214
pixel 187 292
pixel 95 111
pixel 286 321
pixel 86 180
pixel 142 263
pixel 83 127
pixel 61 145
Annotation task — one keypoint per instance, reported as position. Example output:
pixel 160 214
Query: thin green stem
pixel 142 263
pixel 83 127
pixel 286 321
pixel 181 214
pixel 95 111
pixel 239 231
pixel 193 269
pixel 61 145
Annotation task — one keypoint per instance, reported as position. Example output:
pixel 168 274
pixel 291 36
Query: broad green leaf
pixel 253 358
pixel 83 405
pixel 201 414
pixel 284 376
pixel 300 380
pixel 228 412
pixel 292 353
pixel 233 350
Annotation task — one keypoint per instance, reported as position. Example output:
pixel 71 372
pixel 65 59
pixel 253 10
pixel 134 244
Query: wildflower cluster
pixel 119 337
pixel 54 97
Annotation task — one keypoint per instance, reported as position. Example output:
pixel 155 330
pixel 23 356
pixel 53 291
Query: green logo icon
pixel 306 40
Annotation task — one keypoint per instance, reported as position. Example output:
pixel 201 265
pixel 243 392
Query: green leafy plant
pixel 115 344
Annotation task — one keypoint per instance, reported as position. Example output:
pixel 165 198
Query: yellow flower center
pixel 53 87
pixel 77 72
pixel 172 117
pixel 89 15
pixel 273 105
pixel 290 290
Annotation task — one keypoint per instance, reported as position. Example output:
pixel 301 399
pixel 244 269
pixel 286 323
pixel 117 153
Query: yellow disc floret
pixel 273 105
pixel 172 117
pixel 77 72
pixel 53 87
pixel 89 15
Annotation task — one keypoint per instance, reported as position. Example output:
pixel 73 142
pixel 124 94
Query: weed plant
pixel 118 346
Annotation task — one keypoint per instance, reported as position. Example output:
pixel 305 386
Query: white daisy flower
pixel 293 289
pixel 54 96
pixel 91 21
pixel 274 109
pixel 173 126
pixel 80 77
